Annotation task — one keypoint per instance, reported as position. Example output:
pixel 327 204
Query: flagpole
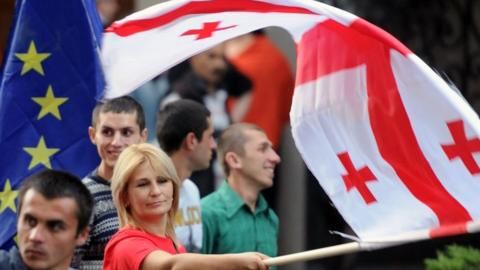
pixel 374 243
pixel 314 254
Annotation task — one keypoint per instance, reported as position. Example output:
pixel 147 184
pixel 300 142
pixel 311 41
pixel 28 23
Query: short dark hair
pixel 54 184
pixel 124 104
pixel 233 139
pixel 176 119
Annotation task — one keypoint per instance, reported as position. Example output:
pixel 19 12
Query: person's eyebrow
pixel 264 145
pixel 28 216
pixel 55 222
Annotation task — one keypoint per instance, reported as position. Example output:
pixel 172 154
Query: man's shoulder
pixel 10 260
pixel 190 185
pixel 189 192
pixel 169 98
pixel 88 180
pixel 5 259
pixel 212 201
pixel 213 209
pixel 96 184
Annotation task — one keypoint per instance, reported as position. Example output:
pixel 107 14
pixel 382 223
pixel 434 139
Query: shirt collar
pixel 94 175
pixel 233 202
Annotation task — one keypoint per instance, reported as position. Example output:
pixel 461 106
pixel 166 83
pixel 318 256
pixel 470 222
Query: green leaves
pixel 455 257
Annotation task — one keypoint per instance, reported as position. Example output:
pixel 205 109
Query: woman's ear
pixel 125 200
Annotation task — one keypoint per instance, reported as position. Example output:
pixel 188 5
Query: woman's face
pixel 149 196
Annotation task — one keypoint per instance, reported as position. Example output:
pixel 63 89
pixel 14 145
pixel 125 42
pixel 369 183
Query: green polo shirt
pixel 229 226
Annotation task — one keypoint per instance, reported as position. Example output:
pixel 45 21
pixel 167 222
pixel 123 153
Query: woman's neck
pixel 157 227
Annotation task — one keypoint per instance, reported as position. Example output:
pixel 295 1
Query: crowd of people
pixel 141 208
pixel 183 162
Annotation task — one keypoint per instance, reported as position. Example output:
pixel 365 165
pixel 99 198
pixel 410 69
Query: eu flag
pixel 50 81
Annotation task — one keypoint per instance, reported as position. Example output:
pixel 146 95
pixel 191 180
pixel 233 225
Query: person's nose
pixel 117 139
pixel 213 143
pixel 37 234
pixel 155 189
pixel 274 157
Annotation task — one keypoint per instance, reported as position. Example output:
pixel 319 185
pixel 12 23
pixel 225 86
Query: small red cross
pixel 206 31
pixel 462 148
pixel 357 178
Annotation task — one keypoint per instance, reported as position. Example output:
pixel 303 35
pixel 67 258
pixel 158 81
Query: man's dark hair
pixel 53 184
pixel 176 119
pixel 124 104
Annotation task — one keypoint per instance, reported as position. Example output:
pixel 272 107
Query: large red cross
pixel 462 147
pixel 330 47
pixel 357 178
pixel 207 30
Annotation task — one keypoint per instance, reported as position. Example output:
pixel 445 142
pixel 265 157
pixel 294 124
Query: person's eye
pixel 142 184
pixel 107 132
pixel 30 221
pixel 127 132
pixel 56 226
pixel 162 180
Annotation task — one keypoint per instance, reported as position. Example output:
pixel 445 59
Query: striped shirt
pixel 103 225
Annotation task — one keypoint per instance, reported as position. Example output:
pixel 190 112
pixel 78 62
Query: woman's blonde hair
pixel 128 161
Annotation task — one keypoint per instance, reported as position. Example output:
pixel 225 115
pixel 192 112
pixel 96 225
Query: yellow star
pixel 32 59
pixel 49 104
pixel 40 154
pixel 7 197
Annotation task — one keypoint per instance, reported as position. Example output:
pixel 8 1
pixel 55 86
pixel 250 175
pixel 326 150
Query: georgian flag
pixel 392 145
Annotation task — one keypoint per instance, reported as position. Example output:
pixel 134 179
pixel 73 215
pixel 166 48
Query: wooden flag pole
pixel 314 254
pixel 371 244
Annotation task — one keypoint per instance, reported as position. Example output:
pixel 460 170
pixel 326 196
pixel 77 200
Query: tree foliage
pixel 455 257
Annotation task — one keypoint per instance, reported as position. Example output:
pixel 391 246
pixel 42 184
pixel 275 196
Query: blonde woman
pixel 145 189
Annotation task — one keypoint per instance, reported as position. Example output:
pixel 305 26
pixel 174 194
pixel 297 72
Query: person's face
pixel 204 148
pixel 259 160
pixel 47 231
pixel 113 133
pixel 210 65
pixel 149 196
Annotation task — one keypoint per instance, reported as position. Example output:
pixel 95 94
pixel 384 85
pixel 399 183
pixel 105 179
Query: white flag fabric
pixel 395 149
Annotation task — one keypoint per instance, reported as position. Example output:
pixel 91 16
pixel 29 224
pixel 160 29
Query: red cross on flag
pixel 462 147
pixel 207 30
pixel 392 145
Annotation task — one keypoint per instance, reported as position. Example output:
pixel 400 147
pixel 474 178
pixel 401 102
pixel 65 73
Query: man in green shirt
pixel 236 217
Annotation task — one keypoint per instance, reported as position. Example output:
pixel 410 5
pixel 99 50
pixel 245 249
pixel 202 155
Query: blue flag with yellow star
pixel 51 79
